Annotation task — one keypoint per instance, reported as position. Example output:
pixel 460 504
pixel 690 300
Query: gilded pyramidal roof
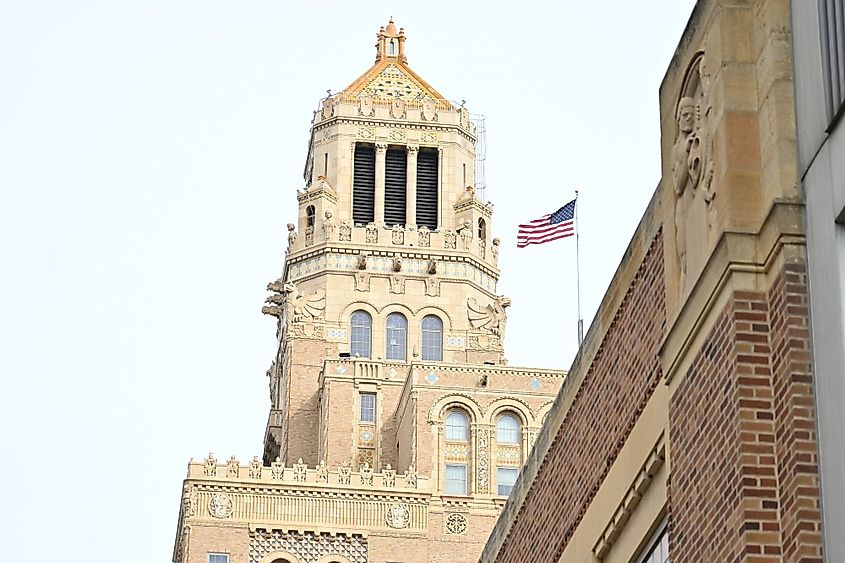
pixel 391 77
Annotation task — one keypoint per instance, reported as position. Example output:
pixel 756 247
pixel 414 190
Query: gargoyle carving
pixel 297 306
pixel 490 317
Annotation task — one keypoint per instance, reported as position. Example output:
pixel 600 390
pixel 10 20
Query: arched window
pixel 457 427
pixel 482 229
pixel 309 216
pixel 396 336
pixel 455 472
pixel 432 339
pixel 360 336
pixel 391 47
pixel 508 438
pixel 507 429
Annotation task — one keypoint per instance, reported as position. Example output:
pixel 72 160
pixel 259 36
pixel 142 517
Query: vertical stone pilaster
pixel 411 186
pixel 482 460
pixel 381 151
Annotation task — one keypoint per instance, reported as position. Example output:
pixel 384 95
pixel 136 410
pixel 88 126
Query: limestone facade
pixel 699 363
pixel 395 427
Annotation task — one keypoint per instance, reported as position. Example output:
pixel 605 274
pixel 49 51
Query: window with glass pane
pixel 397 336
pixel 507 429
pixel 658 550
pixel 360 335
pixel 218 558
pixel 457 427
pixel 505 479
pixel 432 339
pixel 368 407
pixel 455 482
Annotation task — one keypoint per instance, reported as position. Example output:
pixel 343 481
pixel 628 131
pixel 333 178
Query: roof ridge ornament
pixel 391 43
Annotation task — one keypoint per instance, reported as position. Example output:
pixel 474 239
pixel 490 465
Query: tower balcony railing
pixel 365 368
pixel 420 109
pixel 398 238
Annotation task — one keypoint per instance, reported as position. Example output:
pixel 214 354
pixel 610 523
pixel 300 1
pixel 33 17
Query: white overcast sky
pixel 149 157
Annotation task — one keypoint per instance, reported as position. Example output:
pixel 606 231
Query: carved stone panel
pixel 398 516
pixel 693 172
pixel 362 281
pixel 483 463
pixel 424 237
pixel 371 233
pixel 432 286
pixel 309 547
pixel 397 283
pixel 456 523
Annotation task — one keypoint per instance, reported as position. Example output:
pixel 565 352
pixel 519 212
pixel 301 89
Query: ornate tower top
pixel 391 77
pixel 391 44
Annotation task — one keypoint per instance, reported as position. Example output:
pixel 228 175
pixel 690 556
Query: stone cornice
pixel 638 487
pixel 414 125
pixel 740 261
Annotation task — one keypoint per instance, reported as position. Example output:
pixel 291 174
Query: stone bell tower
pixel 388 223
pixel 396 429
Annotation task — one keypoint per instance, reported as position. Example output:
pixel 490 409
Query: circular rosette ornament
pixel 398 516
pixel 220 506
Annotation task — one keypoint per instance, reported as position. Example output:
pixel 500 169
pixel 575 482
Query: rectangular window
pixel 657 549
pixel 832 28
pixel 368 407
pixel 364 184
pixel 456 479
pixel 395 185
pixel 505 479
pixel 427 187
pixel 218 558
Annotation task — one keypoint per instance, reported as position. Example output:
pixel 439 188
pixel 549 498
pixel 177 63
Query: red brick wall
pixel 621 378
pixel 744 469
pixel 795 417
pixel 744 481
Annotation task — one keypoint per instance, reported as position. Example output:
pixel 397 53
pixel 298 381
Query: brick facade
pixel 744 416
pixel 618 384
pixel 690 408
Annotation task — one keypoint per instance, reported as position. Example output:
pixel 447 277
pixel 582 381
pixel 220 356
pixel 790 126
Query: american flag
pixel 560 224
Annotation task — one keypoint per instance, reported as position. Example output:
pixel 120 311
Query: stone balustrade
pixel 398 239
pixel 342 476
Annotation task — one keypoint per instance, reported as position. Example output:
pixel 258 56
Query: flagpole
pixel 578 274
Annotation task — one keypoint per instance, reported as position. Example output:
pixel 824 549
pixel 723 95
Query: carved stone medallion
pixel 456 523
pixel 398 516
pixel 220 506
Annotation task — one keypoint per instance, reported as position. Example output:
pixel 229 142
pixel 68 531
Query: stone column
pixel 411 187
pixel 381 151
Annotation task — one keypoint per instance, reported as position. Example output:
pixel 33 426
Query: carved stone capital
pixel 381 148
pixel 412 150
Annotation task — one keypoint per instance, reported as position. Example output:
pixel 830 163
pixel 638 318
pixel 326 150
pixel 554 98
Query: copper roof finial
pixel 391 27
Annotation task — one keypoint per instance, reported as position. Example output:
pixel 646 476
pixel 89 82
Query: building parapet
pixel 387 480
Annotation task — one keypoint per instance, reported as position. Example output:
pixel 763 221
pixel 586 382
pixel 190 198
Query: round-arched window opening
pixel 396 335
pixel 507 429
pixel 360 335
pixel 310 215
pixel 456 427
pixel 432 339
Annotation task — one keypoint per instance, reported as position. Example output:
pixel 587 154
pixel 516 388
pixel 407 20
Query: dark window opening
pixel 427 187
pixel 309 216
pixel 364 185
pixel 395 183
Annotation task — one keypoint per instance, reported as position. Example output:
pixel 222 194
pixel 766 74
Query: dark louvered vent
pixel 364 185
pixel 395 178
pixel 427 182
